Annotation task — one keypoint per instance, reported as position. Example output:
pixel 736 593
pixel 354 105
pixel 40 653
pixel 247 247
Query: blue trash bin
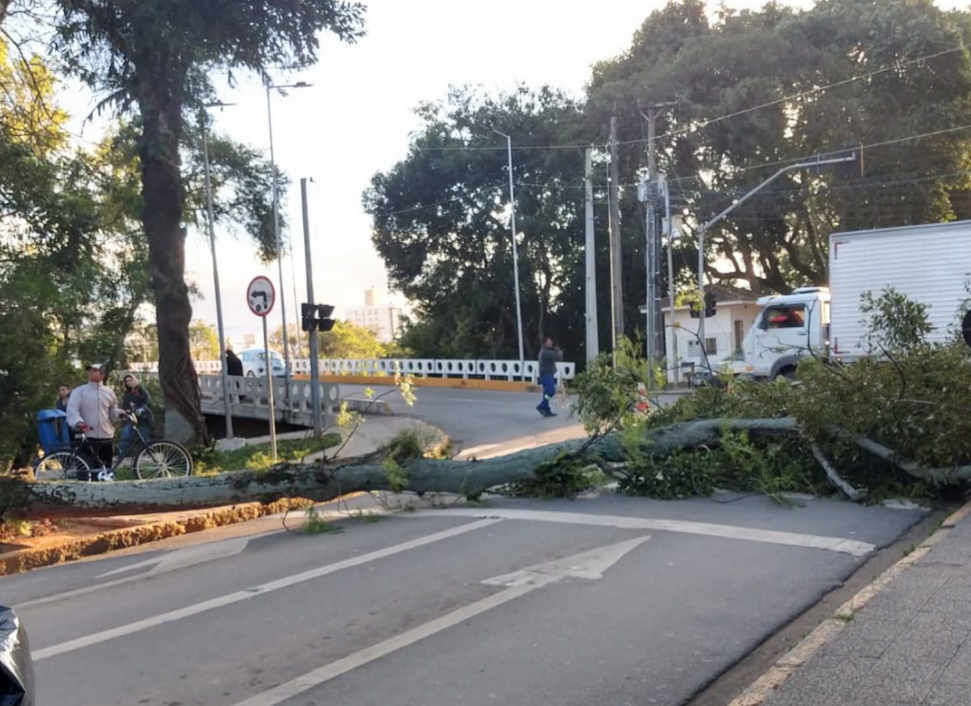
pixel 53 430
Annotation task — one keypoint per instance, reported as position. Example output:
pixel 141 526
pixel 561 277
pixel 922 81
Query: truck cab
pixel 789 327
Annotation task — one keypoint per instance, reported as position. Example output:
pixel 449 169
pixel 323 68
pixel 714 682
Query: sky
pixel 356 119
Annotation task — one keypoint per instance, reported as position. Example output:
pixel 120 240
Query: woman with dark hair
pixel 136 401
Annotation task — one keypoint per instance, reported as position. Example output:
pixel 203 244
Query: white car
pixel 254 363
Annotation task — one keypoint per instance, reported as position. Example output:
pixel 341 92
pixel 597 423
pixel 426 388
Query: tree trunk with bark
pixel 160 97
pixel 325 482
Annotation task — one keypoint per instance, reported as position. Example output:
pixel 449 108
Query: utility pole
pixel 673 226
pixel 616 260
pixel 211 219
pixel 314 361
pixel 515 251
pixel 270 87
pixel 655 317
pixel 593 334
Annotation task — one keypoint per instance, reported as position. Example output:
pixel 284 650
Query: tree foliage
pixel 909 398
pixel 754 91
pixel 203 341
pixel 441 223
pixel 155 58
pixel 346 341
pixel 74 261
pixel 779 57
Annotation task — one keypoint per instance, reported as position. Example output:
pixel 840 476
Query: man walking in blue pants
pixel 548 358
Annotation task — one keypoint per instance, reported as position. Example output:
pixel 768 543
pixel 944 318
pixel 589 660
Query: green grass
pixel 258 458
pixel 316 524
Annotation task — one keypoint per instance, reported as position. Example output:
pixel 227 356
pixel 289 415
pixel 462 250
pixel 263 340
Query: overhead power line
pixel 896 66
pixel 803 94
pixel 834 153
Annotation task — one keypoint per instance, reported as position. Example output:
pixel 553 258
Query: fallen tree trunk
pixel 324 482
pixel 938 476
pixel 314 482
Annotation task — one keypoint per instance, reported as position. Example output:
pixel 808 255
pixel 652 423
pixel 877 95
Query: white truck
pixel 930 264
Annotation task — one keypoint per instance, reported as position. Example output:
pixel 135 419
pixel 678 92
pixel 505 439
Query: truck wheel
pixel 789 373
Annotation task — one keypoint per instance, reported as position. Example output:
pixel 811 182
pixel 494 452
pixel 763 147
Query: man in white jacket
pixel 93 410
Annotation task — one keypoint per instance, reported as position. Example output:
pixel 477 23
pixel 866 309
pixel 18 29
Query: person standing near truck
pixel 549 356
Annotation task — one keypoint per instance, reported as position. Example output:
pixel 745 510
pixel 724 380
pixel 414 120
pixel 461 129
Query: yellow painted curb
pixel 74 549
pixel 442 383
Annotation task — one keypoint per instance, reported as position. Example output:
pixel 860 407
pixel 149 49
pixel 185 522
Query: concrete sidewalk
pixel 910 644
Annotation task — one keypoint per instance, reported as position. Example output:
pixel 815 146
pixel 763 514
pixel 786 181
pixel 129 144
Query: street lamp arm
pixel 784 170
pixel 704 229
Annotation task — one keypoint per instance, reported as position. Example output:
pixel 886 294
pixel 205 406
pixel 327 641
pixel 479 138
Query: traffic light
pixel 325 323
pixel 316 317
pixel 308 321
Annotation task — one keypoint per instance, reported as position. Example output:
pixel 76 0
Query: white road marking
pixel 792 539
pixel 170 561
pixel 262 589
pixel 589 565
pixel 189 556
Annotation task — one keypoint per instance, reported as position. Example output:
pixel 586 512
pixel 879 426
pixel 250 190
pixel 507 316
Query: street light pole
pixel 515 252
pixel 855 156
pixel 211 218
pixel 276 226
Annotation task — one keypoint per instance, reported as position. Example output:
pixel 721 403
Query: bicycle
pixel 155 459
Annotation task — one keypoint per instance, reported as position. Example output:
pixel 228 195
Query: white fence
pixel 418 367
pixel 249 398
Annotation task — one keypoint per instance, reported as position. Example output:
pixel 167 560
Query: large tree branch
pixel 325 482
pixel 322 482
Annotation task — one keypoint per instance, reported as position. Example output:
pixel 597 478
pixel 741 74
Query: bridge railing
pixel 249 397
pixel 511 370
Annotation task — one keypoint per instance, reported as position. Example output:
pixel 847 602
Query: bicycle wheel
pixel 61 465
pixel 163 459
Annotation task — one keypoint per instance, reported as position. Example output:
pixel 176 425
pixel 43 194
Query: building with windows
pixel 383 319
pixel 736 311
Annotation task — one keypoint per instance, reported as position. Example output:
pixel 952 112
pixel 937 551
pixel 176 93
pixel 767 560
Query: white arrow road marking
pixel 170 561
pixel 189 556
pixel 588 565
pixel 262 589
pixel 792 539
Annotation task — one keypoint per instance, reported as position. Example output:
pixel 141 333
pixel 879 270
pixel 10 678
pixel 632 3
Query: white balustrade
pixel 511 370
pixel 249 397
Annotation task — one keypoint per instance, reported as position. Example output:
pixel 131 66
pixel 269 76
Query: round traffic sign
pixel 260 296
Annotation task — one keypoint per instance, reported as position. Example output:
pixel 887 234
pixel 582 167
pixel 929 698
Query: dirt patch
pixel 76 539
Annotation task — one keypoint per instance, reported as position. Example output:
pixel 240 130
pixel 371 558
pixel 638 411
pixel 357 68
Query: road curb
pixel 369 407
pixel 105 542
pixel 441 383
pixel 788 664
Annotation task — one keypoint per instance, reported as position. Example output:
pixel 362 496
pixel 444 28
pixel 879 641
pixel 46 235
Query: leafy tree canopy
pixel 754 91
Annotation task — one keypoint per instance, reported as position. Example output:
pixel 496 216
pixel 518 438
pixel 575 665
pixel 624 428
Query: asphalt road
pixel 603 601
pixel 483 423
